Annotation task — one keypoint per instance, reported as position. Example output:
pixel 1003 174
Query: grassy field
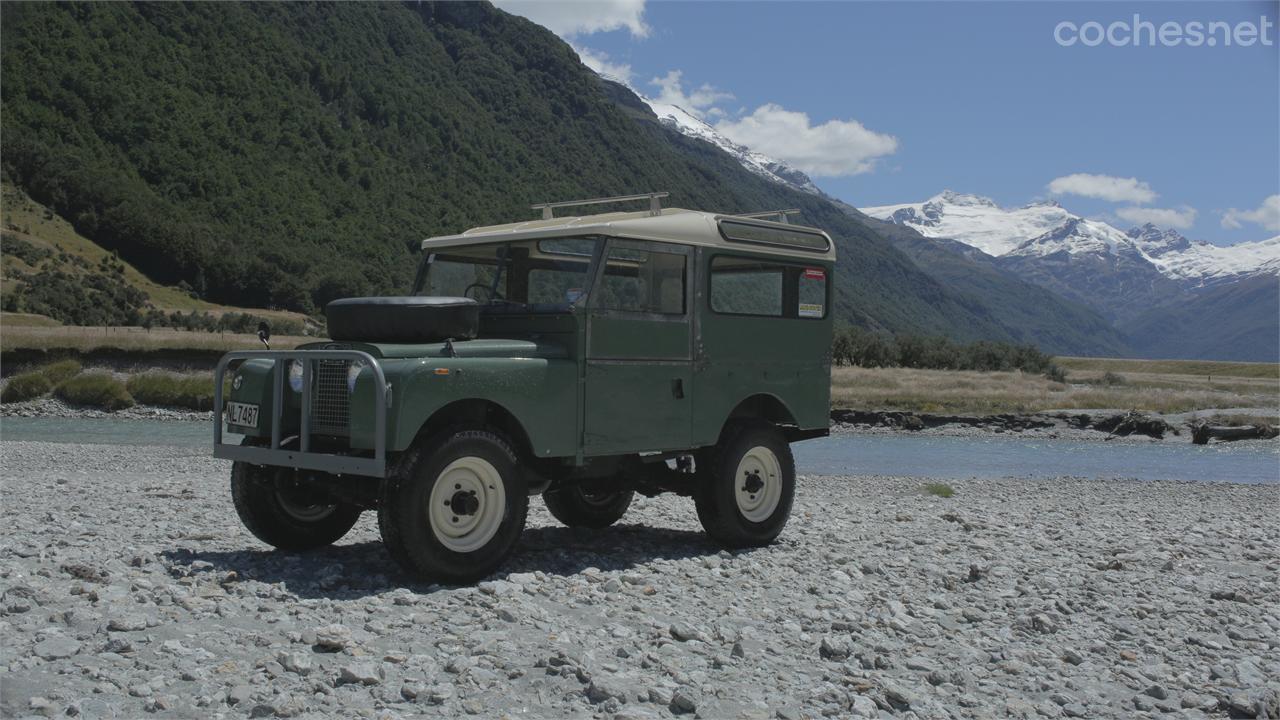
pixel 1206 368
pixel 86 339
pixel 1148 386
pixel 12 319
pixel 1165 386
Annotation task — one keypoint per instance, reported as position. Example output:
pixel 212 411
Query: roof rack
pixel 655 207
pixel 780 215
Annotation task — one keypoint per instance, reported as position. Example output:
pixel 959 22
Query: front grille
pixel 330 401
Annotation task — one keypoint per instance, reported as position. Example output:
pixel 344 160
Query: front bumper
pixel 302 456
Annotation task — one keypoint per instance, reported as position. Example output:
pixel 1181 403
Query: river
pixel 911 455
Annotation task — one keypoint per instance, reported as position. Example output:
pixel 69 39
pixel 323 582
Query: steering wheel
pixel 488 291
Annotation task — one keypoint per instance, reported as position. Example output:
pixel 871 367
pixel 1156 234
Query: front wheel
pixel 457 511
pixel 283 510
pixel 576 507
pixel 746 486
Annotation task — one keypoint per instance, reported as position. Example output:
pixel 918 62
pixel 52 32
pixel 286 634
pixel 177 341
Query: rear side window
pixel 744 286
pixel 640 280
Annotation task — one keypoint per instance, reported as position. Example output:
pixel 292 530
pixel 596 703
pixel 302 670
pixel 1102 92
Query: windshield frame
pixel 503 262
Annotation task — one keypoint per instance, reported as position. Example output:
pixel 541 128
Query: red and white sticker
pixel 815 274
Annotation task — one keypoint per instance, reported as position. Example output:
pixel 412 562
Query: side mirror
pixel 264 333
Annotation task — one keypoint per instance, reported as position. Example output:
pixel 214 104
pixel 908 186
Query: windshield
pixel 540 275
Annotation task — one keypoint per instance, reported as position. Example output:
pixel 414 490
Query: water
pixel 1005 456
pixel 111 432
pixel 915 455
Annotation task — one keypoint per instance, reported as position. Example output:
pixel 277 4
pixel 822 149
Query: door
pixel 638 350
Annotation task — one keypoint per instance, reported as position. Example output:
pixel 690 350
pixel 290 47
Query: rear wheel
pixel 746 486
pixel 576 507
pixel 282 509
pixel 457 511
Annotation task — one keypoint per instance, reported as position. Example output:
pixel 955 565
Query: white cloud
pixel 832 149
pixel 1267 215
pixel 569 18
pixel 1103 187
pixel 700 101
pixel 600 63
pixel 1178 219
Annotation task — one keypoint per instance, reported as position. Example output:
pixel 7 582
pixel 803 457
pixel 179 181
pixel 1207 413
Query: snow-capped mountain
pixel 1176 256
pixel 1046 228
pixel 686 123
pixel 975 220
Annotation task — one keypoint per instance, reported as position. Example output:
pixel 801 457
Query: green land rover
pixel 583 359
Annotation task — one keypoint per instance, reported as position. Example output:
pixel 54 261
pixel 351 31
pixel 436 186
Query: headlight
pixel 295 375
pixel 353 372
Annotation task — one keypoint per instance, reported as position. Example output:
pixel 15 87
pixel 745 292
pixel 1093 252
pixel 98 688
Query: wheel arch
pixel 477 414
pixel 761 407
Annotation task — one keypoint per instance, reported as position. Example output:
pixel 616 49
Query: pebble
pixel 360 672
pixel 332 638
pixel 56 648
pixel 140 595
pixel 128 623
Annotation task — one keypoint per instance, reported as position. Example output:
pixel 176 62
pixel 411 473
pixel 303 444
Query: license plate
pixel 242 414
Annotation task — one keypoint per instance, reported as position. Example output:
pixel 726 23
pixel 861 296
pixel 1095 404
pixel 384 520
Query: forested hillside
pixel 286 154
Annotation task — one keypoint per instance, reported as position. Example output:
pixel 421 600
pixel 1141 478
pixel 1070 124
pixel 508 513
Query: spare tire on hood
pixel 403 319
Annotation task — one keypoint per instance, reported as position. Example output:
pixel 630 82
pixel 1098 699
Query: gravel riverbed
pixel 129 589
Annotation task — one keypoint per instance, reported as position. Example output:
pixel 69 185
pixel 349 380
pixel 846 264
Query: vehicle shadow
pixel 360 569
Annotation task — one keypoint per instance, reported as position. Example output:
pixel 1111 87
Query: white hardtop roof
pixel 673 225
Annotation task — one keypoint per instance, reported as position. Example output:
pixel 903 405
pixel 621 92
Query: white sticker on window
pixel 810 310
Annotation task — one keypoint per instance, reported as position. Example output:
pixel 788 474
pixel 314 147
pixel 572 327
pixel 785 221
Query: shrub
pixel 854 346
pixel 939 489
pixel 98 390
pixel 1112 378
pixel 61 371
pixel 1056 373
pixel 161 388
pixel 26 386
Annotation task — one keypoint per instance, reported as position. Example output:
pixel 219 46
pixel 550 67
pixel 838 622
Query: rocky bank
pixel 128 589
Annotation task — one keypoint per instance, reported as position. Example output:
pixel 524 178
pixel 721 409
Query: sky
pixel 885 103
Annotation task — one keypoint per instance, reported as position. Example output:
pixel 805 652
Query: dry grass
pixel 13 319
pixel 947 391
pixel 1203 368
pixel 86 339
pixel 33 222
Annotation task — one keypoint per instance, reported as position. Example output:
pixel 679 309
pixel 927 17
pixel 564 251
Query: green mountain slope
pixel 286 154
pixel 1235 321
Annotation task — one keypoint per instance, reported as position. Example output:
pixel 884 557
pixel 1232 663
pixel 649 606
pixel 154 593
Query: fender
pixel 540 394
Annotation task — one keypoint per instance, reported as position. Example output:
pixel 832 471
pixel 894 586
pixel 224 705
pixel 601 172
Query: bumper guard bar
pixel 302 457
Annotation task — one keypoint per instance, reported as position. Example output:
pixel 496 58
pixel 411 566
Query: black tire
pixel 405 517
pixel 716 498
pixel 578 508
pixel 278 509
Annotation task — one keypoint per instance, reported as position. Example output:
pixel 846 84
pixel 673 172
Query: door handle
pixel 677 388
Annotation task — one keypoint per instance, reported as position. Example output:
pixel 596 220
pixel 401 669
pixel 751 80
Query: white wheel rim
pixel 475 487
pixel 757 484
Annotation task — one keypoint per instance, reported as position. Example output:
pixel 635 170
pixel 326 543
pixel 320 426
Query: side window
pixel 746 287
pixel 641 280
pixel 558 270
pixel 813 293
